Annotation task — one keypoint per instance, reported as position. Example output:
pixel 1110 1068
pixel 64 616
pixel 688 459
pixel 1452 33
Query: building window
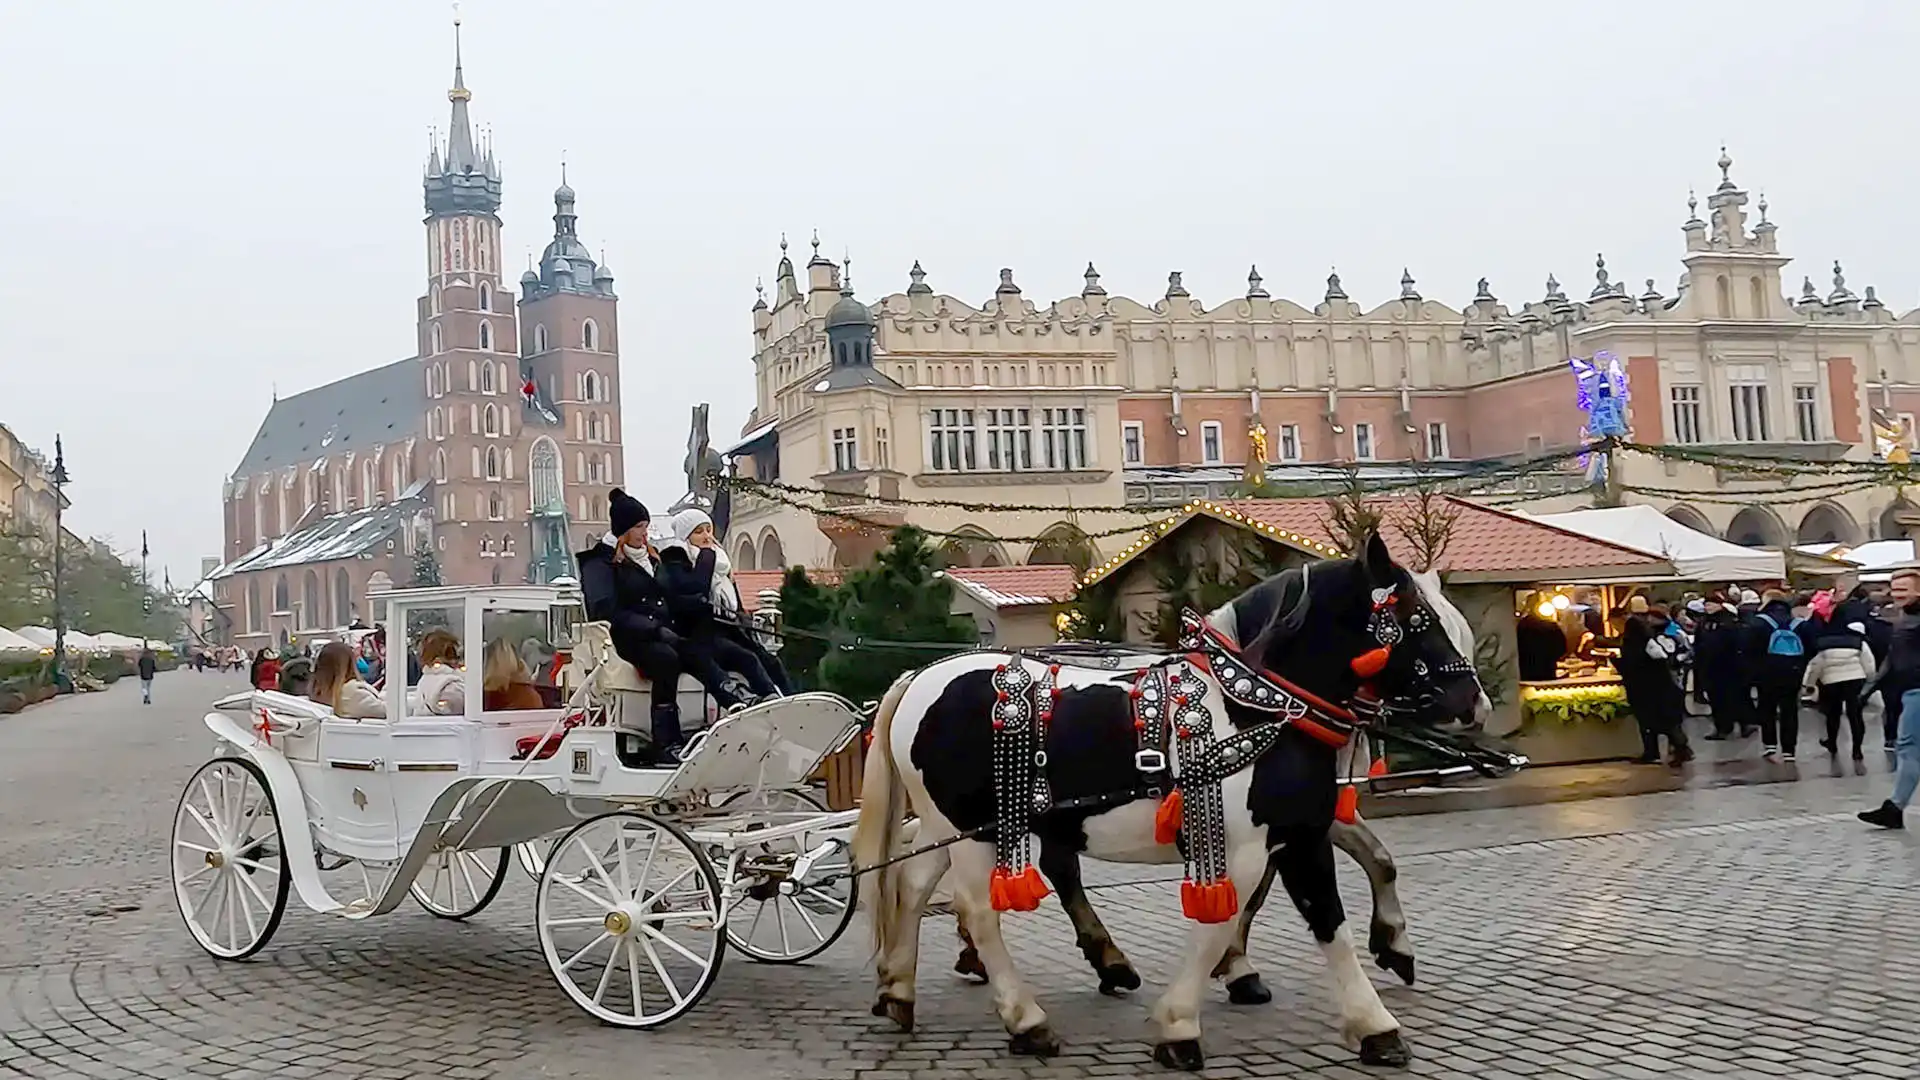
pixel 487 384
pixel 540 338
pixel 490 419
pixel 845 450
pixel 434 335
pixel 1685 401
pixel 950 446
pixel 1363 442
pixel 1806 413
pixel 493 463
pixel 882 455
pixel 1063 436
pixel 1289 443
pixel 1438 449
pixel 1210 443
pixel 590 386
pixel 1747 396
pixel 433 300
pixel 486 337
pixel 486 298
pixel 496 507
pixel 506 545
pixel 1009 439
pixel 1133 437
pixel 590 336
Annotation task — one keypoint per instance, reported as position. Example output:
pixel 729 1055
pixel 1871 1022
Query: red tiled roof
pixel 1485 542
pixel 1002 586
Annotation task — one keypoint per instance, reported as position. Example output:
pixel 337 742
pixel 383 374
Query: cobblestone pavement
pixel 1752 931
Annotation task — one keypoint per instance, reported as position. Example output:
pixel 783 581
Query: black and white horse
pixel 1387 936
pixel 1255 773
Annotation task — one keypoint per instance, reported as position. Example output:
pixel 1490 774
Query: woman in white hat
pixel 698 579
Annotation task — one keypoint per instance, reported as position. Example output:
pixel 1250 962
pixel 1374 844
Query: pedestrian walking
pixel 1836 676
pixel 1719 667
pixel 1652 672
pixel 1779 665
pixel 148 665
pixel 1900 673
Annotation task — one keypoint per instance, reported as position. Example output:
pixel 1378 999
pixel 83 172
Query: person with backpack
pixel 1779 657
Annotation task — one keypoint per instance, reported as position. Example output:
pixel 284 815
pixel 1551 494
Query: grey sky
pixel 205 199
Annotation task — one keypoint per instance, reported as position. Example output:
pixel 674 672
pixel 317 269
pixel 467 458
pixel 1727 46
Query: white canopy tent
pixel 1876 558
pixel 76 641
pixel 1698 556
pixel 11 642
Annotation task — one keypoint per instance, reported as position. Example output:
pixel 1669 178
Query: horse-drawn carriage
pixel 645 876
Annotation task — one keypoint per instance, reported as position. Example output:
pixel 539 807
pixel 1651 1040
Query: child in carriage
pixel 705 605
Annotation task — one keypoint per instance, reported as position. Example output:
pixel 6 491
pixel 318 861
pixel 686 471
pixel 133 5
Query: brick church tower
pixel 476 445
pixel 570 341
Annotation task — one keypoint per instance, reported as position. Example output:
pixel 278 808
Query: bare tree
pixel 1426 518
pixel 1350 518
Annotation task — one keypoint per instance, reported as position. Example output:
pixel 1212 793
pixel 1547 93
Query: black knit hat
pixel 625 512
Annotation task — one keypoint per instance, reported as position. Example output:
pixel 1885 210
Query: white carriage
pixel 644 876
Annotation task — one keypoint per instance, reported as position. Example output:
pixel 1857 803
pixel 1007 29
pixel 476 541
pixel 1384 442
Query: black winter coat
pixel 624 594
pixel 688 584
pixel 148 665
pixel 1717 643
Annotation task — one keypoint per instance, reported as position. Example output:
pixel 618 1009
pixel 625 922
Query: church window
pixel 433 300
pixel 490 420
pixel 486 545
pixel 1725 291
pixel 496 510
pixel 486 337
pixel 440 465
pixel 544 475
pixel 540 338
pixel 433 336
pixel 473 375
pixel 1759 298
pixel 590 336
pixel 506 545
pixel 590 386
pixel 486 297
pixel 486 372
pixel 506 462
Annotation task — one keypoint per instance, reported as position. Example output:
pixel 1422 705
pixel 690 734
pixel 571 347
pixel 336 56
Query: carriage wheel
pixel 458 884
pixel 533 856
pixel 775 926
pixel 628 911
pixel 229 875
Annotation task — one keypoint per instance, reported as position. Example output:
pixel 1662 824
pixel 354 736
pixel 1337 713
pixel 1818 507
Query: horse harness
pixel 1180 761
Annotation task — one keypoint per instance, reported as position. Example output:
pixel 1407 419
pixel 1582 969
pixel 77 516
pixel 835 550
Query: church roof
pixel 344 535
pixel 357 413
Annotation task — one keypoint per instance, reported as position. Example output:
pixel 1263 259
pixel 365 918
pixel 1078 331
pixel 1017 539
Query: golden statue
pixel 1892 438
pixel 1257 456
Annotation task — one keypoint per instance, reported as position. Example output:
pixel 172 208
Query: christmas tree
pixel 895 599
pixel 426 568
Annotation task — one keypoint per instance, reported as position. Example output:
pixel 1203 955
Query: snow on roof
pixel 337 536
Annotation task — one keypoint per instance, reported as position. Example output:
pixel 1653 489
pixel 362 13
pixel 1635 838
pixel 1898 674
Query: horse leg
pixel 1387 937
pixel 1244 985
pixel 898 966
pixel 1305 862
pixel 1061 865
pixel 1177 1013
pixel 1025 1021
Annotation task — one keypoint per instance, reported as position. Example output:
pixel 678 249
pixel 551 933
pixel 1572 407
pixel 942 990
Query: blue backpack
pixel 1785 640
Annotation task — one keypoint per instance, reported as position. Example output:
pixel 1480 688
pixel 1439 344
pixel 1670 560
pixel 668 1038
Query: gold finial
pixel 459 91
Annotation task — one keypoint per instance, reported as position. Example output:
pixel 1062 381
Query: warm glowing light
pixel 1545 609
pixel 1561 603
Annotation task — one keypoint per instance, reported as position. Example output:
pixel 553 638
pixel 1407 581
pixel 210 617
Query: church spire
pixel 460 179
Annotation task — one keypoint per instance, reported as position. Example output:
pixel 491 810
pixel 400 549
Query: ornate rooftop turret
pixel 918 279
pixel 1407 291
pixel 1256 285
pixel 1334 291
pixel 1174 287
pixel 460 179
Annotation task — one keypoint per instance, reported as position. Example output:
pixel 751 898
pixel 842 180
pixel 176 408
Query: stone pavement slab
pixel 1742 932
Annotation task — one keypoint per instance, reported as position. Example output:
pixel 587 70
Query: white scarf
pixel 725 595
pixel 637 557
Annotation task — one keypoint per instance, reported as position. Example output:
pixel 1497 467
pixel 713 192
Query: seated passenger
pixel 505 682
pixel 443 687
pixel 618 583
pixel 266 670
pixel 702 599
pixel 336 685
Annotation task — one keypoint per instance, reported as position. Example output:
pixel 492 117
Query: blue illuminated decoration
pixel 1600 388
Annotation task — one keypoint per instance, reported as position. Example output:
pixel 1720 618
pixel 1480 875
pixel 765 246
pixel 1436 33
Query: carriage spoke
pixel 465 860
pixel 662 892
pixel 688 954
pixel 195 848
pixel 659 968
pixel 801 911
pixel 633 973
pixel 575 958
pixel 606 976
pixel 780 920
pixel 601 903
pixel 599 871
pixel 260 866
pixel 246 911
pixel 247 882
pixel 194 815
pixel 231 895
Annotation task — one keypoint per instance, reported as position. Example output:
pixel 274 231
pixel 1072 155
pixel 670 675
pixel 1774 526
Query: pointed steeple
pixel 1334 291
pixel 1256 285
pixel 565 264
pixel 460 178
pixel 1407 291
pixel 918 279
pixel 1093 286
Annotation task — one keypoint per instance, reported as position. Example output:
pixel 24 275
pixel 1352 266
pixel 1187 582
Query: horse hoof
pixel 1248 990
pixel 969 965
pixel 1399 963
pixel 1117 979
pixel 1386 1048
pixel 1038 1041
pixel 1184 1055
pixel 900 1012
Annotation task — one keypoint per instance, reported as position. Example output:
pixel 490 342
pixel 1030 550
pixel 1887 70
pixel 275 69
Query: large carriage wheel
pixel 229 875
pixel 533 856
pixel 628 911
pixel 458 884
pixel 783 922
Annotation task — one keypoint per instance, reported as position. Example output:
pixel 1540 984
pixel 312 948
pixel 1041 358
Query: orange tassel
pixel 1226 901
pixel 997 890
pixel 1167 819
pixel 1378 768
pixel 1036 887
pixel 1370 663
pixel 1346 808
pixel 1190 901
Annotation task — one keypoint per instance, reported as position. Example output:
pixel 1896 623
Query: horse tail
pixel 883 806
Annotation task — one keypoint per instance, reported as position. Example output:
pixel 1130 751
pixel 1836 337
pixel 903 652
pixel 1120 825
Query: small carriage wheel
pixel 458 884
pixel 628 912
pixel 229 869
pixel 775 928
pixel 533 855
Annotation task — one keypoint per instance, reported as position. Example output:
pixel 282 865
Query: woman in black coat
pixel 688 568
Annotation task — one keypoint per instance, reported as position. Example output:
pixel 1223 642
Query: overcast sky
pixel 203 201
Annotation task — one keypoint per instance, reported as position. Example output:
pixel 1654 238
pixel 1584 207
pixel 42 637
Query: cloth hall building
pixel 483 456
pixel 1098 400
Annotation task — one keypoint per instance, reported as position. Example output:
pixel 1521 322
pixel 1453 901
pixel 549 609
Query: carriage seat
pixel 607 673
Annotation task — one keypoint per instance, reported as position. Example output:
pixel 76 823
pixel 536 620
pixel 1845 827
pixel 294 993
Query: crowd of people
pixel 1756 659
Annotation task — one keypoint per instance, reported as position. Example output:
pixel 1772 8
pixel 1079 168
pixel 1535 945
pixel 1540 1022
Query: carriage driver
pixel 617 579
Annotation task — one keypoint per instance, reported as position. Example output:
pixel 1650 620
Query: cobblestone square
pixel 1749 931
